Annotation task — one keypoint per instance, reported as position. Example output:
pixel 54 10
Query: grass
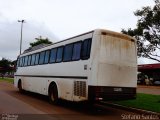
pixel 143 101
pixel 7 79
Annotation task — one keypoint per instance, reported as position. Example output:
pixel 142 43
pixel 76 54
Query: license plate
pixel 117 89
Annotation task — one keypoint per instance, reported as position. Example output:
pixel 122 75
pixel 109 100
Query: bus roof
pixel 96 31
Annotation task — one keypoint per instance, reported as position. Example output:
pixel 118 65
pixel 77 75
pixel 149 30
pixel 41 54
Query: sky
pixel 61 19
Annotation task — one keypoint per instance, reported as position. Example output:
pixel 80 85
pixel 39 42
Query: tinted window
pixel 37 58
pixel 53 55
pixel 89 47
pixel 86 47
pixel 59 54
pixel 26 61
pixel 46 59
pixel 76 51
pixel 29 60
pixel 68 52
pixel 33 59
pixel 20 63
pixel 41 58
pixel 23 58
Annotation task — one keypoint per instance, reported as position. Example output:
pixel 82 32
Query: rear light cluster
pixel 98 98
pixel 98 90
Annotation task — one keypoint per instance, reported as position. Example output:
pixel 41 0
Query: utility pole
pixel 22 21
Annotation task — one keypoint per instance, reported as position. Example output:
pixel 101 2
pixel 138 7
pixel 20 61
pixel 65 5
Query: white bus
pixel 97 65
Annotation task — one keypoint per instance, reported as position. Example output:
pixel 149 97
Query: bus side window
pixel 33 59
pixel 86 48
pixel 26 61
pixel 29 60
pixel 76 51
pixel 41 57
pixel 46 59
pixel 23 61
pixel 20 63
pixel 36 59
pixel 68 52
pixel 59 54
pixel 53 55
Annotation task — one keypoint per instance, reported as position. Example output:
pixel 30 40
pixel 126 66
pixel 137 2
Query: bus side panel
pixel 65 88
pixel 70 89
pixel 37 84
pixel 16 81
pixel 66 75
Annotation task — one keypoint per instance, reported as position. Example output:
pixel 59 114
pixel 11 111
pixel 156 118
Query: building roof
pixel 149 66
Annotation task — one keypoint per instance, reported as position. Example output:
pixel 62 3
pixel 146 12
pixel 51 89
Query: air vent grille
pixel 80 88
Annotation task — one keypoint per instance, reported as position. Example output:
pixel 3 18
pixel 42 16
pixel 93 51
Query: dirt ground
pixel 155 90
pixel 34 106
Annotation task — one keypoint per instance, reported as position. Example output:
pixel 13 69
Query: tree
pixel 39 41
pixel 5 66
pixel 147 32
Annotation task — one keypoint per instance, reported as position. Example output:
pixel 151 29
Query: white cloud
pixel 63 18
pixel 146 61
pixel 10 37
pixel 71 15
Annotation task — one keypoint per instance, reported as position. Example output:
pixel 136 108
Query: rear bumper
pixel 103 93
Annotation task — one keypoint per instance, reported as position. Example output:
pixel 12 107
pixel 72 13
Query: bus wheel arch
pixel 53 93
pixel 20 85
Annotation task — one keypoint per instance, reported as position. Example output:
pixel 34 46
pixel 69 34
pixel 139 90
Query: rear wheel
pixel 53 94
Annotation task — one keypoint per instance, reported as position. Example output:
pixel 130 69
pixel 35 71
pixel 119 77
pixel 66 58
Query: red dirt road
pixel 36 107
pixel 155 90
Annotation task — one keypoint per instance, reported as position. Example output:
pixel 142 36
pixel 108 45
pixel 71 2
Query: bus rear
pixel 114 67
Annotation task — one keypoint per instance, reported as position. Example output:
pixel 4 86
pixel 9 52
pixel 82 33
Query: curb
pixel 136 110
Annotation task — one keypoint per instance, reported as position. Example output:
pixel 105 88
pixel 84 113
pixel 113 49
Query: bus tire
pixel 53 94
pixel 20 86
